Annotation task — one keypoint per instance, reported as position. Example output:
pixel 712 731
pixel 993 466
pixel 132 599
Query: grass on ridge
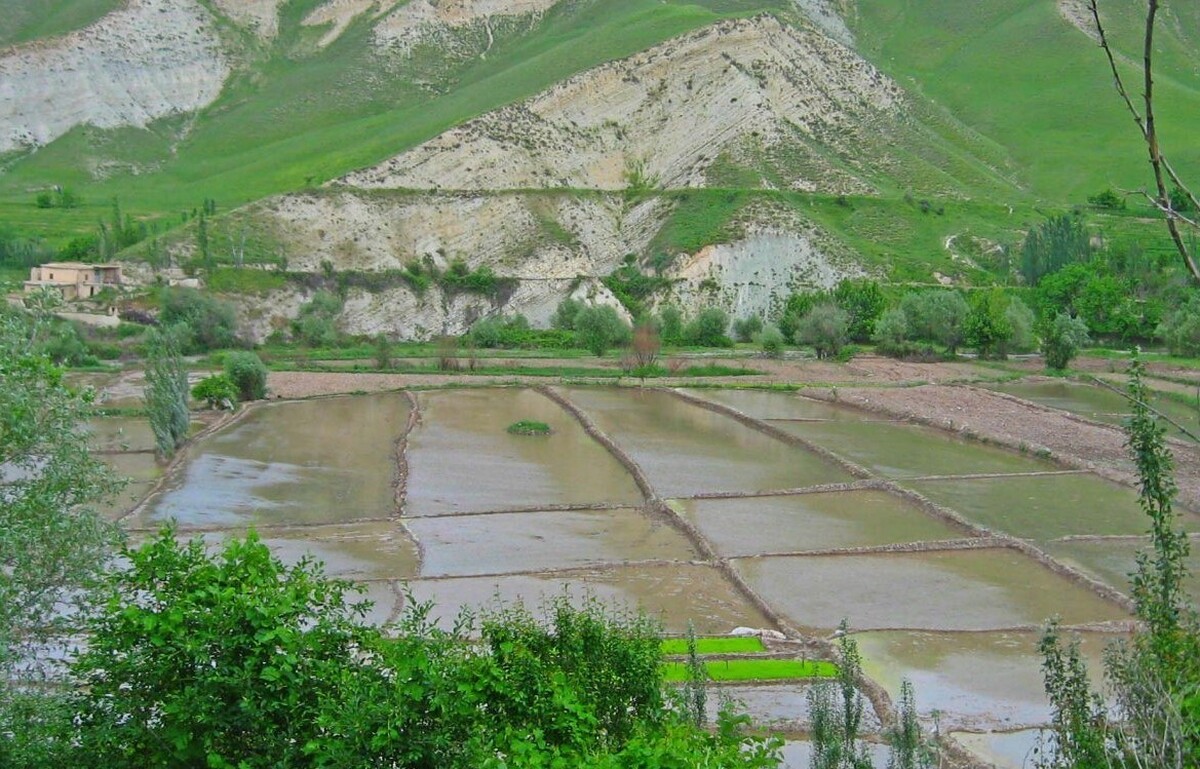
pixel 718 645
pixel 754 670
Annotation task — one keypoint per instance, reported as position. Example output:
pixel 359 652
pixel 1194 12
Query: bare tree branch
pixel 1146 124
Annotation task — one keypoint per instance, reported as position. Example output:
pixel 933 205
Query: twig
pixel 1149 408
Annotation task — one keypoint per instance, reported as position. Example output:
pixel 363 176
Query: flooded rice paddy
pixel 652 499
pixel 1099 403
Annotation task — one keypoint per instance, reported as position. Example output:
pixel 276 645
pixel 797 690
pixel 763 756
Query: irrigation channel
pixel 723 508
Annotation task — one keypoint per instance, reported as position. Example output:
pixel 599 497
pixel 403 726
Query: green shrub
pixel 316 323
pixel 1180 331
pixel 211 323
pixel 599 329
pixel 529 427
pixel 708 329
pixel 863 301
pixel 771 341
pixel 670 325
pixel 986 327
pixel 826 328
pixel 166 391
pixel 745 329
pixel 1061 340
pixel 1020 319
pixel 891 332
pixel 215 391
pixel 936 315
pixel 565 314
pixel 248 374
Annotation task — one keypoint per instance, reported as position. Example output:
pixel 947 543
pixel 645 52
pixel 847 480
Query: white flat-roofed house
pixel 75 280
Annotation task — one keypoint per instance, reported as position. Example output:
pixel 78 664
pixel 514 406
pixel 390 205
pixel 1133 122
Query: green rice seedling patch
pixel 754 670
pixel 720 645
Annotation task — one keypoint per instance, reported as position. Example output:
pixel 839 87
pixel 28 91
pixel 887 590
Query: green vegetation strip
pixel 529 427
pixel 723 645
pixel 754 670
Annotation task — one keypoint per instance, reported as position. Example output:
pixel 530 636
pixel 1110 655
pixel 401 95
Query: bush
pixel 826 328
pixel 1062 339
pixel 598 329
pixel 234 660
pixel 986 327
pixel 708 329
pixel 564 316
pixel 217 391
pixel 515 332
pixel 671 325
pixel 248 374
pixel 771 341
pixel 891 332
pixel 1180 331
pixel 1107 199
pixel 936 315
pixel 211 323
pixel 316 324
pixel 745 329
pixel 798 305
pixel 863 301
pixel 1020 319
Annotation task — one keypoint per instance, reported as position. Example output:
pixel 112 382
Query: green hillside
pixel 1013 107
pixel 1023 76
pixel 299 116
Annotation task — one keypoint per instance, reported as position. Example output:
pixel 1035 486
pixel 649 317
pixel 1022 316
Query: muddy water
pixel 947 590
pixel 1004 750
pixel 977 681
pixel 762 404
pixel 742 527
pixel 320 461
pixel 780 707
pixel 511 542
pixel 120 434
pixel 374 550
pixel 1114 561
pixel 1044 507
pixel 461 457
pixel 797 754
pixel 685 449
pixel 675 594
pixel 1095 402
pixel 138 468
pixel 905 451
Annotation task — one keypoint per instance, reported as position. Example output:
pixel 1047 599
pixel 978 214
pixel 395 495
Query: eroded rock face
pixel 262 16
pixel 152 59
pixel 664 116
pixel 421 21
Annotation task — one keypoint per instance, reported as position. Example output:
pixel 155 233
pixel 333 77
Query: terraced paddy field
pixel 716 509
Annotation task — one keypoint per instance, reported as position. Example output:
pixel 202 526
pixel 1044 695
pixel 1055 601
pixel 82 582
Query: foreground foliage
pixel 1150 714
pixel 234 660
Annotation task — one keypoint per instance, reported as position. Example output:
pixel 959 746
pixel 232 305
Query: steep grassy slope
pixel 301 115
pixel 26 20
pixel 1023 75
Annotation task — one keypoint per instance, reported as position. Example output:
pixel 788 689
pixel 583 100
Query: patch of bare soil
pixel 1016 423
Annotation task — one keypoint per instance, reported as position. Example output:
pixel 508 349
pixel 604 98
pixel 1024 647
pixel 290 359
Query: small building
pixel 75 280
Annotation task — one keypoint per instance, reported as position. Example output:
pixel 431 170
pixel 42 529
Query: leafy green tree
pixel 217 662
pixel 909 747
pixel 211 323
pixel 166 391
pixel 316 323
pixel 248 374
pixel 708 329
pixel 986 327
pixel 1062 339
pixel 1180 330
pixel 798 305
pixel 671 325
pixel 1020 318
pixel 52 543
pixel 565 314
pixel 891 332
pixel 826 328
pixel 836 712
pixel 936 315
pixel 863 301
pixel 1055 243
pixel 599 329
pixel 771 341
pixel 745 329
